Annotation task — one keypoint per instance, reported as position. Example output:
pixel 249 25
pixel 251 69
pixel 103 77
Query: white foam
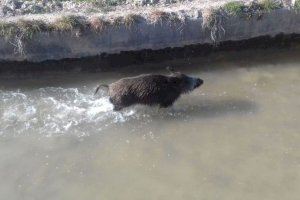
pixel 55 111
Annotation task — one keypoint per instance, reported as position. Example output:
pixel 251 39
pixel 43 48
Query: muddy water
pixel 237 137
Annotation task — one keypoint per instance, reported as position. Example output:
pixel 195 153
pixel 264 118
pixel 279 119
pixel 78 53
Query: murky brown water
pixel 237 137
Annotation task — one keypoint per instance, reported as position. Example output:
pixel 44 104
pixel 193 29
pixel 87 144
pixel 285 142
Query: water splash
pixel 55 111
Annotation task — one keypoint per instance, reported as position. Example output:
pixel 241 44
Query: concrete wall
pixel 144 35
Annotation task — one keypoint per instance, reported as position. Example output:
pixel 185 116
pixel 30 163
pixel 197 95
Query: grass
pixel 70 23
pixel 103 3
pixel 20 32
pixel 254 9
pixel 235 8
pixel 132 19
pixel 30 27
pixel 172 18
pixel 8 30
pixel 297 6
pixel 17 33
pixel 270 5
pixel 22 28
pixel 26 29
pixel 212 20
pixel 98 24
pixel 209 16
pixel 158 16
pixel 117 22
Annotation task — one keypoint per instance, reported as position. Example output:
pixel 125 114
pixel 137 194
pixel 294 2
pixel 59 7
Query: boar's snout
pixel 198 82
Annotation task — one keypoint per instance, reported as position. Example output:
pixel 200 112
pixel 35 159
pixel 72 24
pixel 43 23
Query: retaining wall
pixel 145 35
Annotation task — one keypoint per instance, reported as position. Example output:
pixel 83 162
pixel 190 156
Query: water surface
pixel 237 137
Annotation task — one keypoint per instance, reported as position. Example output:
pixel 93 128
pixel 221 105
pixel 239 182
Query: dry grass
pixel 208 16
pixel 132 19
pixel 117 22
pixel 171 18
pixel 20 32
pixel 98 24
pixel 31 27
pixel 8 30
pixel 70 23
pixel 175 19
pixel 213 20
pixel 158 16
pixel 26 28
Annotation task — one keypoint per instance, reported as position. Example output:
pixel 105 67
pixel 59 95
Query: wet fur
pixel 148 89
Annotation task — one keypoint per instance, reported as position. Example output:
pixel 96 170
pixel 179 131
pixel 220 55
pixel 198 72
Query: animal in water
pixel 150 89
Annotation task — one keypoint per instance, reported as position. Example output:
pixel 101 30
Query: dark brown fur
pixel 150 89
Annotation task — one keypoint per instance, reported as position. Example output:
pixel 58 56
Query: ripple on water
pixel 55 111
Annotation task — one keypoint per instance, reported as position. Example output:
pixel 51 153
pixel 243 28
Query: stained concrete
pixel 146 35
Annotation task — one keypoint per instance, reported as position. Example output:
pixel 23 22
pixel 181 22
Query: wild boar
pixel 150 89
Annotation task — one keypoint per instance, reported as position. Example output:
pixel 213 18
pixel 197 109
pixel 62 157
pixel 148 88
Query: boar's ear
pixel 171 70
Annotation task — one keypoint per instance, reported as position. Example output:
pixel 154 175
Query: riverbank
pixel 166 57
pixel 43 37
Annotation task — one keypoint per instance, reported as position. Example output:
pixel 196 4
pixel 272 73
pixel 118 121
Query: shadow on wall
pixel 230 51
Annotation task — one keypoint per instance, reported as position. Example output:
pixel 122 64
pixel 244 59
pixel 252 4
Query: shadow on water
pixel 213 108
pixel 204 109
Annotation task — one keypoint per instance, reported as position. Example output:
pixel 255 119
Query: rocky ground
pixel 9 8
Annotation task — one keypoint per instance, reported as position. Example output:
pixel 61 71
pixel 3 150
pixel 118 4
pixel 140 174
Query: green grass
pixel 235 8
pixel 297 5
pixel 270 5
